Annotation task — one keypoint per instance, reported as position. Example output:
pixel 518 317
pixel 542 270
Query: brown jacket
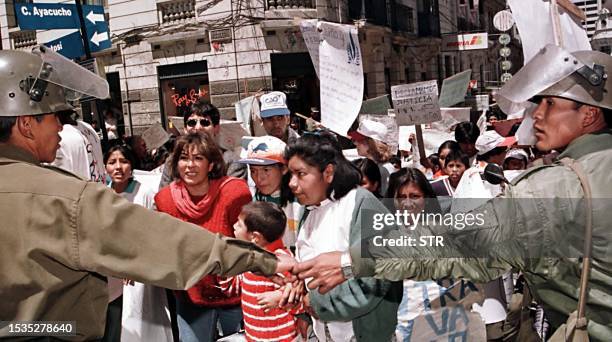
pixel 60 237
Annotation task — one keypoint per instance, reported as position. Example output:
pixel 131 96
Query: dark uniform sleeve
pixel 116 238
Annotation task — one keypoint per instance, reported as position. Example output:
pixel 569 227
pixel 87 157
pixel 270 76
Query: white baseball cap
pixel 373 129
pixel 517 153
pixel 490 140
pixel 265 150
pixel 273 104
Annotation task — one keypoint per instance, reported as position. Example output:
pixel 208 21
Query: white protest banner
pixel 341 76
pixel 244 109
pixel 454 88
pixel 437 312
pixel 230 135
pixel 312 38
pixel 450 117
pixel 482 102
pixel 535 26
pixel 155 136
pixel 416 103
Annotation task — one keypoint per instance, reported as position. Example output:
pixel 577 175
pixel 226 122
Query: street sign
pixel 504 39
pixel 503 20
pixel 97 28
pixel 506 65
pixel 69 46
pixel 505 77
pixel 505 51
pixel 465 41
pixel 40 16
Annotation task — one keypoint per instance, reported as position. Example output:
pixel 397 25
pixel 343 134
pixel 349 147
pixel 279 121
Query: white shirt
pixel 327 229
pixel 80 152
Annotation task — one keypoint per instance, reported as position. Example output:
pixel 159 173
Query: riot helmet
pixel 43 82
pixel 581 76
pixel 589 84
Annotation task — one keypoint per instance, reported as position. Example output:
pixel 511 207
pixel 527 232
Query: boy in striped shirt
pixel 263 223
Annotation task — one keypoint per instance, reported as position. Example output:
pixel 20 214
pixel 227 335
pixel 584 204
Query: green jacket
pixel 61 236
pixel 548 213
pixel 371 304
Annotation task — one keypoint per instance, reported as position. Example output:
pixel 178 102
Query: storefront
pixel 294 74
pixel 182 85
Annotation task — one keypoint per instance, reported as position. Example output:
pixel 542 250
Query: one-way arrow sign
pixel 93 17
pixel 99 37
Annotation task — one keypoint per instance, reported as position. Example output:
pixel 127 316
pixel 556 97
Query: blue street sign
pixel 40 16
pixel 69 46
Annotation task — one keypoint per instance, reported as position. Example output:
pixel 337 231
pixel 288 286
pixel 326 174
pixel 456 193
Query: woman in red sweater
pixel 203 195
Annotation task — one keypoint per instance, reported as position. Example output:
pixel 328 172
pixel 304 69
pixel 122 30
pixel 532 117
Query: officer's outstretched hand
pixel 285 263
pixel 325 271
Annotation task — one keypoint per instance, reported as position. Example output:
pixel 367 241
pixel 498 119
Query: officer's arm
pixel 116 238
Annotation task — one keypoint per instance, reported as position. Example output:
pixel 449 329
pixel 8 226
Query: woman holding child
pixel 203 195
pixel 328 185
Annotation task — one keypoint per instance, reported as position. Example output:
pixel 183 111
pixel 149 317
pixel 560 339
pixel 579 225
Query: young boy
pixel 263 223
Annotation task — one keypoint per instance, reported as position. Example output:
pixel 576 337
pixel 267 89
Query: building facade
pixel 167 54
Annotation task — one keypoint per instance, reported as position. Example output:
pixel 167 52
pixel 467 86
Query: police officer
pixel 547 206
pixel 61 236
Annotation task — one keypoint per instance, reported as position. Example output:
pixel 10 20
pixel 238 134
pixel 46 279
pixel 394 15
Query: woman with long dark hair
pixel 328 185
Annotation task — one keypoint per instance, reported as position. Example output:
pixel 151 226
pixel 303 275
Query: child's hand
pixel 307 307
pixel 292 293
pixel 269 300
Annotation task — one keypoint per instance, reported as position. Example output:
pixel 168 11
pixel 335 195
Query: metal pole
pixel 85 39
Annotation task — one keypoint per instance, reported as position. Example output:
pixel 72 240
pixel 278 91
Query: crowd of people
pixel 266 245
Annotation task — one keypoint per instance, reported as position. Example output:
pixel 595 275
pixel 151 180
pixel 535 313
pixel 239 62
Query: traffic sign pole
pixel 85 38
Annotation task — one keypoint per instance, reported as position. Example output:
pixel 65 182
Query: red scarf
pixel 184 204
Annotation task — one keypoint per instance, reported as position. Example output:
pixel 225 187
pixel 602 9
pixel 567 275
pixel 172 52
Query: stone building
pixel 167 54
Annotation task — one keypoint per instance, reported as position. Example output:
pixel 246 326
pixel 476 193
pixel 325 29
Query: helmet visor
pixel 549 66
pixel 76 80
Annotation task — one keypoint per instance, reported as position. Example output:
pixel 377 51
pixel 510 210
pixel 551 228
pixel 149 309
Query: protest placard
pixel 312 38
pixel 416 103
pixel 230 135
pixel 341 76
pixel 454 88
pixel 378 105
pixel 155 136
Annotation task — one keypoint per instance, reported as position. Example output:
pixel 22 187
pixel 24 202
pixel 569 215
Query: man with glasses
pixel 205 117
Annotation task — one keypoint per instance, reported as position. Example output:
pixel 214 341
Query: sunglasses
pixel 194 122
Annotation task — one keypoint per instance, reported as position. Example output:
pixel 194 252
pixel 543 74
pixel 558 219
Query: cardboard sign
pixel 177 123
pixel 416 103
pixel 155 136
pixel 230 135
pixel 341 76
pixel 454 88
pixel 378 105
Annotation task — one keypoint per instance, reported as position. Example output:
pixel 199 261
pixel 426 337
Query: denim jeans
pixel 199 324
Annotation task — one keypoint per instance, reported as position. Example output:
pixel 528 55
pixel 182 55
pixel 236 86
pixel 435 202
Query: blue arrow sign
pixel 69 46
pixel 42 16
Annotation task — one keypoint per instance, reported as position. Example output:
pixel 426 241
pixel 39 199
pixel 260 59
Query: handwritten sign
pixel 341 75
pixel 416 103
pixel 155 136
pixel 312 38
pixel 454 88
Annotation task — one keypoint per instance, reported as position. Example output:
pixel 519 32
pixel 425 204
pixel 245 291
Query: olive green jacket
pixel 61 237
pixel 546 216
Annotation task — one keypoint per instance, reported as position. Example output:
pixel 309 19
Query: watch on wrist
pixel 346 265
